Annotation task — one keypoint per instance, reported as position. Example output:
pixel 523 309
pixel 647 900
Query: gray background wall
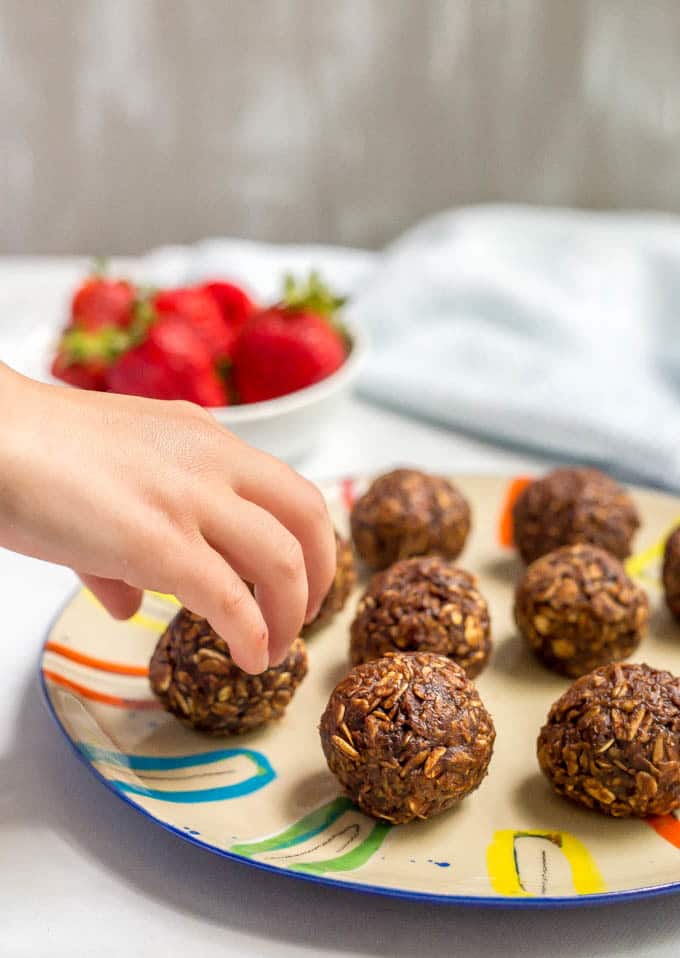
pixel 127 123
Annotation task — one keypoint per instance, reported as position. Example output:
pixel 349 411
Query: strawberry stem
pixel 143 316
pixel 100 266
pixel 81 346
pixel 311 294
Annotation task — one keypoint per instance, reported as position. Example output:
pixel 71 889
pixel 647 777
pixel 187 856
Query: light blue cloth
pixel 551 329
pixel 555 330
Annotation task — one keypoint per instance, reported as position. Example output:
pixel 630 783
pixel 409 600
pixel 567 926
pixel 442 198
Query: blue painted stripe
pixel 192 796
pixel 154 763
pixel 264 773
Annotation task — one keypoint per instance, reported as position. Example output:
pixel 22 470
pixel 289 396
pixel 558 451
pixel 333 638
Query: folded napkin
pixel 556 330
pixel 551 329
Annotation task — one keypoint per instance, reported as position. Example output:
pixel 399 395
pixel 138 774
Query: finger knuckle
pixel 289 560
pixel 315 504
pixel 191 411
pixel 234 600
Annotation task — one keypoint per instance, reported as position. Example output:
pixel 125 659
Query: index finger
pixel 301 508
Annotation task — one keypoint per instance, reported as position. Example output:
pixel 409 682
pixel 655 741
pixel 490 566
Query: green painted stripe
pixel 352 859
pixel 301 831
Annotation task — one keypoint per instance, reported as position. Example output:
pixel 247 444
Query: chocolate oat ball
pixel 407 736
pixel 577 609
pixel 341 587
pixel 424 604
pixel 196 679
pixel 612 741
pixel 671 572
pixel 409 513
pixel 573 505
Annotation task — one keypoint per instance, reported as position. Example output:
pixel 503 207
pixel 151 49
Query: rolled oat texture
pixel 574 505
pixel 611 742
pixel 195 678
pixel 341 587
pixel 424 604
pixel 407 736
pixel 408 513
pixel 671 572
pixel 577 609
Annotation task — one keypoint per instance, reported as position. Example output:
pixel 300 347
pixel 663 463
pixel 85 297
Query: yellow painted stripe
pixel 636 565
pixel 584 871
pixel 500 864
pixel 149 622
pixel 168 598
pixel 502 867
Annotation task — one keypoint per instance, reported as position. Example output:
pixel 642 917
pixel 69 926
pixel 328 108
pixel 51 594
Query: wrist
pixel 15 438
pixel 9 408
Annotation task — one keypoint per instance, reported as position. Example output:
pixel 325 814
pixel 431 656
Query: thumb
pixel 119 598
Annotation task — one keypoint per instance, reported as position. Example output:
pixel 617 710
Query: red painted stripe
pixel 101 664
pixel 667 826
pixel 505 530
pixel 348 493
pixel 95 696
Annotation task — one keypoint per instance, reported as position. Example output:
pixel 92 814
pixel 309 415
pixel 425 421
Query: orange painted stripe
pixel 348 494
pixel 505 531
pixel 95 696
pixel 667 826
pixel 101 664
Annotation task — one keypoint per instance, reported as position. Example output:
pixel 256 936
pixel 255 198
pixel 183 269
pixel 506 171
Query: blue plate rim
pixel 403 894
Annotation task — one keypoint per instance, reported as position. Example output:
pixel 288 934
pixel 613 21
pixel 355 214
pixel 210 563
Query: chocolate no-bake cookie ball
pixel 671 572
pixel 577 609
pixel 612 741
pixel 341 587
pixel 196 679
pixel 424 604
pixel 409 513
pixel 407 736
pixel 573 505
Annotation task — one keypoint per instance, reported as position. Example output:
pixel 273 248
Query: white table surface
pixel 82 874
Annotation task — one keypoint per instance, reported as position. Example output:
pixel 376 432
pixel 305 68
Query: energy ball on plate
pixel 409 513
pixel 407 736
pixel 196 679
pixel 671 572
pixel 573 505
pixel 577 609
pixel 611 742
pixel 424 604
pixel 341 587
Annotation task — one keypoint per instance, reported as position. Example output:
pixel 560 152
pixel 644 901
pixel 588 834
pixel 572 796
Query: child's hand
pixel 140 494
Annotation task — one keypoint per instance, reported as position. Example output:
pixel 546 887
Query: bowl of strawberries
pixel 275 374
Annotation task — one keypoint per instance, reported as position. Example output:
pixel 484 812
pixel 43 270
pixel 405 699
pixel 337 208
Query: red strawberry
pixel 89 375
pixel 83 357
pixel 100 302
pixel 173 362
pixel 234 304
pixel 292 345
pixel 197 309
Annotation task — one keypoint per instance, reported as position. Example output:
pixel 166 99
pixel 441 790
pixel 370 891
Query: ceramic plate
pixel 268 799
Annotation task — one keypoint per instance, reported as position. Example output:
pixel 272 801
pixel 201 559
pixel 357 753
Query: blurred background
pixel 132 123
pixel 522 154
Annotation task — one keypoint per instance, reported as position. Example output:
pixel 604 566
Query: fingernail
pixel 263 660
pixel 278 659
pixel 257 664
pixel 312 612
pixel 259 656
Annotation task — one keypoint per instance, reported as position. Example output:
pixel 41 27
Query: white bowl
pixel 290 426
pixel 287 427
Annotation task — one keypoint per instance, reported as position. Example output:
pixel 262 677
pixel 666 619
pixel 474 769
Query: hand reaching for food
pixel 140 494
